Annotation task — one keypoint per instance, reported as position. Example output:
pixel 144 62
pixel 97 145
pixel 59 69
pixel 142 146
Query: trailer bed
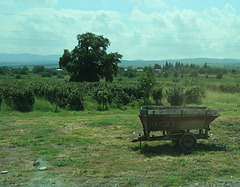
pixel 175 121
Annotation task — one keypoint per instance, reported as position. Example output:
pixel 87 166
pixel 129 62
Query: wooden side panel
pixel 157 123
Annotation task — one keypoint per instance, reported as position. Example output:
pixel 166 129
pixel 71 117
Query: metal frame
pixel 173 122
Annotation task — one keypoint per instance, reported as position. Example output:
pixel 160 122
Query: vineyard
pixel 82 131
pixel 21 95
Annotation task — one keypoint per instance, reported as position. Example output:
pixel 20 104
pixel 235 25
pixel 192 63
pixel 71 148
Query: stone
pixel 42 168
pixel 36 163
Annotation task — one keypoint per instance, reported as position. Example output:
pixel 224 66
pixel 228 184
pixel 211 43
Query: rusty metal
pixel 174 122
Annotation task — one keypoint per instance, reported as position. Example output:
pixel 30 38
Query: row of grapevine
pixel 64 95
pixel 73 96
pixel 21 95
pixel 225 88
pixel 18 96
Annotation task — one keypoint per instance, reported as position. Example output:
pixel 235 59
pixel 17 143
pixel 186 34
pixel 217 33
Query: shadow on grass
pixel 170 150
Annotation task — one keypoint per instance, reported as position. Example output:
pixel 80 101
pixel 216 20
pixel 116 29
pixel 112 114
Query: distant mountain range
pixel 19 60
pixel 28 60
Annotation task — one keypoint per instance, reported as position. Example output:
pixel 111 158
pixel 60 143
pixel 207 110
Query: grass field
pixel 92 148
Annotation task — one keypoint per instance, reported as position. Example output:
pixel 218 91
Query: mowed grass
pixel 94 148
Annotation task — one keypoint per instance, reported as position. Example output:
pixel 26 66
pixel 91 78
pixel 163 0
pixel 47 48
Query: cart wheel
pixel 188 140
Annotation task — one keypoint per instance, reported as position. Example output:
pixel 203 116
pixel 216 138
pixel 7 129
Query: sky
pixel 137 29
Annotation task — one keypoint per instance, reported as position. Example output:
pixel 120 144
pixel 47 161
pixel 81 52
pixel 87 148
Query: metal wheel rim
pixel 188 142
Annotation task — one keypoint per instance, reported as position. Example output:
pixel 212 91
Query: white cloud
pixel 47 30
pixel 229 9
pixel 190 33
pixel 142 35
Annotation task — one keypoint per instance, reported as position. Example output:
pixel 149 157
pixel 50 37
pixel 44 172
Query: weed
pixel 132 182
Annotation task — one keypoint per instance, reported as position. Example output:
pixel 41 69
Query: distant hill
pixel 28 60
pixel 18 60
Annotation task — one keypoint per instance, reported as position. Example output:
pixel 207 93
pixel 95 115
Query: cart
pixel 182 125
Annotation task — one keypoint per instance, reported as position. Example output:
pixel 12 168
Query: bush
pixel 194 94
pixel 122 98
pixel 193 73
pixel 38 69
pixel 75 101
pixel 18 77
pixel 165 74
pixel 144 101
pixel 175 96
pixel 229 88
pixel 60 76
pixel 102 99
pixel 147 81
pixel 46 74
pixel 20 99
pixel 64 95
pixel 157 95
pixel 219 75
pixel 175 74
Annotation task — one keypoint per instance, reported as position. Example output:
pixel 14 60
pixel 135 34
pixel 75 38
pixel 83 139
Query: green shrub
pixel 144 101
pixel 133 91
pixel 38 69
pixel 175 74
pixel 219 75
pixel 46 74
pixel 122 99
pixel 175 80
pixel 229 88
pixel 102 99
pixel 121 94
pixel 165 74
pixel 20 99
pixel 64 95
pixel 194 94
pixel 147 81
pixel 18 77
pixel 157 95
pixel 59 76
pixel 175 95
pixel 75 99
pixel 193 73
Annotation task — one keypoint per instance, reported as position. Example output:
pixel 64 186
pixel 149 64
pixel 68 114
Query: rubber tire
pixel 187 141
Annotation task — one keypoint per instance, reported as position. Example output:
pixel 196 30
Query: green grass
pixel 94 148
pixel 222 101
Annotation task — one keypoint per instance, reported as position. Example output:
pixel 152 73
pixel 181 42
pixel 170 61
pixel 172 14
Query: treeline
pixel 186 68
pixel 40 70
pixel 178 69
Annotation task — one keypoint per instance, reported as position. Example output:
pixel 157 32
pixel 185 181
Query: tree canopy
pixel 89 60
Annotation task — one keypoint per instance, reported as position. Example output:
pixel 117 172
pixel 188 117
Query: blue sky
pixel 137 29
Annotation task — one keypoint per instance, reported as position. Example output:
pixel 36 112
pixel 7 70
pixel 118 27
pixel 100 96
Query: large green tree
pixel 89 60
